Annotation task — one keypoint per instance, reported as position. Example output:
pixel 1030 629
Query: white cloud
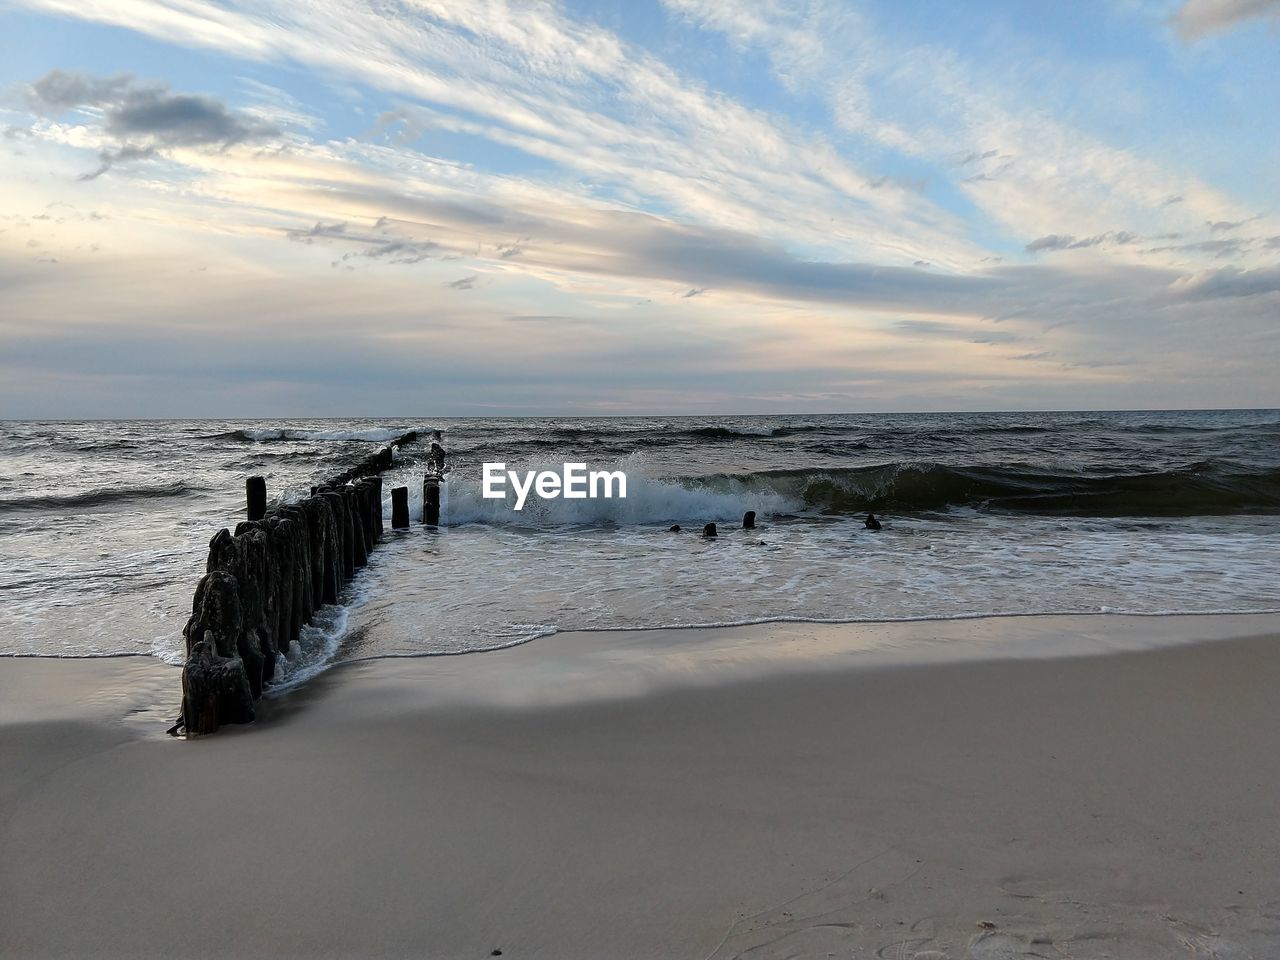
pixel 572 93
pixel 657 186
pixel 1030 173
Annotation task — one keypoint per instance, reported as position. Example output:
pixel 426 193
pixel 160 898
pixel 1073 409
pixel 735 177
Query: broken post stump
pixel 215 690
pixel 255 491
pixel 399 508
pixel 431 500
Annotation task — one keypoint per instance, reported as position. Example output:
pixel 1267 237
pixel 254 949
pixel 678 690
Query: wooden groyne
pixel 264 582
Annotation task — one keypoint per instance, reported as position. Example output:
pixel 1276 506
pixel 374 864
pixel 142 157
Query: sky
pixel 262 208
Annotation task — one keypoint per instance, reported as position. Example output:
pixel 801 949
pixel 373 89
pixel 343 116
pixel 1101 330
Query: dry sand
pixel 778 791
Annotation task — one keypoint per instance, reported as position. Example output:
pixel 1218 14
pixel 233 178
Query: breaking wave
pixel 1207 488
pixel 100 497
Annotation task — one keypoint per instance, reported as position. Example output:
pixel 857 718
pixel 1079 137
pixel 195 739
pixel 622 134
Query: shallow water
pixel 104 526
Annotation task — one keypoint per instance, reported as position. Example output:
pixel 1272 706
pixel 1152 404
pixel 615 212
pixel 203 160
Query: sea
pixel 105 524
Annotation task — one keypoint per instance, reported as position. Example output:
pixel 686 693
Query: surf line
pixel 573 482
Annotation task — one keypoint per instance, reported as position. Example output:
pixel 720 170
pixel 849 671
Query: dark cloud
pixel 466 283
pixel 1220 226
pixel 321 229
pixel 642 246
pixel 694 292
pixel 146 117
pixel 975 157
pixel 1170 201
pixel 373 246
pixel 1219 248
pixel 398 251
pixel 61 90
pixel 1056 241
pixel 906 183
pixel 1229 282
pixel 109 158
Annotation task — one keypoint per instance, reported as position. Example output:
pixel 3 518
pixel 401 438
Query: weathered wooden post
pixel 431 500
pixel 399 508
pixel 749 520
pixel 375 496
pixel 709 530
pixel 255 492
pixel 262 584
pixel 431 482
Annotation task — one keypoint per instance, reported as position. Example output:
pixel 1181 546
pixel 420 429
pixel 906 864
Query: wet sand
pixel 773 791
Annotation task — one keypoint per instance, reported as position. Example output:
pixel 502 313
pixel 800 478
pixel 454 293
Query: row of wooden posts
pixel 264 582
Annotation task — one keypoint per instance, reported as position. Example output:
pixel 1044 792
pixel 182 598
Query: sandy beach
pixel 789 790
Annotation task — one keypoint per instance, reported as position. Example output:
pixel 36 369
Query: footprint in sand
pixel 1204 944
pixel 923 944
pixel 997 945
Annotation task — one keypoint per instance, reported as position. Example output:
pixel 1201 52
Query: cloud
pixel 804 233
pixel 109 158
pixel 953 331
pixel 1229 282
pixel 379 246
pixel 694 292
pixel 1217 248
pixel 145 117
pixel 321 229
pixel 528 77
pixel 1055 241
pixel 1030 169
pixel 1196 19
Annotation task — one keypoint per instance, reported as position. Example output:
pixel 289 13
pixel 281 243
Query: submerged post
pixel 399 508
pixel 255 491
pixel 749 520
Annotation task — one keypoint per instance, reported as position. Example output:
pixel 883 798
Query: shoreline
pixel 761 792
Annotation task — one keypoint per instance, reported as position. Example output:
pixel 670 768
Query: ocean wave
pixel 269 434
pixel 98 497
pixel 1266 429
pixel 1208 487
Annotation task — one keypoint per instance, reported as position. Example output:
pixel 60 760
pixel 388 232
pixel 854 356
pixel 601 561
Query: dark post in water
pixel 431 500
pixel 399 508
pixel 431 482
pixel 255 489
